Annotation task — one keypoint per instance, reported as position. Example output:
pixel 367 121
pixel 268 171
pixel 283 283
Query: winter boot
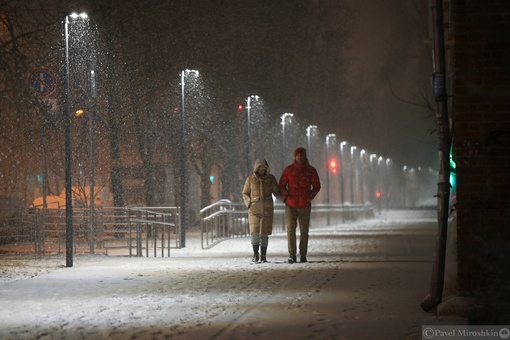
pixel 255 253
pixel 292 259
pixel 263 251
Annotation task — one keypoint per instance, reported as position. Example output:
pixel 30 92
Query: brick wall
pixel 482 147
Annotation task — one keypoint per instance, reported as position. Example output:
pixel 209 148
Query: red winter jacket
pixel 299 184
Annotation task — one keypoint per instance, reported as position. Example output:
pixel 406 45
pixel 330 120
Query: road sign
pixel 42 81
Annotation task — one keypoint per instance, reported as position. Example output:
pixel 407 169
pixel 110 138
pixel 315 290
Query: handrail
pixel 220 220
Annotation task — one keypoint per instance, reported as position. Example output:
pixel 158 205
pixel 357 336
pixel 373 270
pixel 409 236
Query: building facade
pixel 481 112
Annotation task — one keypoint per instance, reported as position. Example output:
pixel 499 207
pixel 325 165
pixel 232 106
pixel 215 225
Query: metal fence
pixel 143 231
pixel 135 231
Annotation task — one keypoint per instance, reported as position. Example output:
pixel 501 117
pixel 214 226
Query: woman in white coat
pixel 258 192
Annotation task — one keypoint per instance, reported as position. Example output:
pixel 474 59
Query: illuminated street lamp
pixel 353 168
pixel 309 137
pixel 380 183
pixel 373 188
pixel 184 177
pixel 328 137
pixel 386 187
pixel 341 174
pixel 361 178
pixel 68 153
pixel 91 138
pixel 309 134
pixel 284 116
pixel 248 121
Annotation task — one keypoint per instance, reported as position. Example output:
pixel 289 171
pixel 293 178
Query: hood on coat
pixel 260 163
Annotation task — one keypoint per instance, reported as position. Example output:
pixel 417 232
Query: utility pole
pixel 444 139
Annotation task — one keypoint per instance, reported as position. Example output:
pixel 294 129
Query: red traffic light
pixel 333 165
pixel 378 194
pixel 239 107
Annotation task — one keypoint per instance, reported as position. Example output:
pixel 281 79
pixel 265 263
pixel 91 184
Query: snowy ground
pixel 356 286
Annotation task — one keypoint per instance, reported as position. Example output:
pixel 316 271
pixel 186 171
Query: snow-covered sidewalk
pixel 354 287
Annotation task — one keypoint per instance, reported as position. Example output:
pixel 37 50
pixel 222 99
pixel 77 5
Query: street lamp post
pixel 361 179
pixel 284 116
pixel 328 137
pixel 91 139
pixel 353 168
pixel 374 187
pixel 68 152
pixel 248 132
pixel 342 181
pixel 184 176
pixel 386 183
pixel 379 181
pixel 309 137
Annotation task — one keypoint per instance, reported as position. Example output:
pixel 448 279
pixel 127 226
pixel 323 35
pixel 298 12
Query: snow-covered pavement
pixel 364 280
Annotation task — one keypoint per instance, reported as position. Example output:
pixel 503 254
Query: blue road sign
pixel 42 81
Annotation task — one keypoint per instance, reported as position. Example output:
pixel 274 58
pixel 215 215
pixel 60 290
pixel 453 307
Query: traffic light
pixel 377 194
pixel 333 165
pixel 453 169
pixel 240 108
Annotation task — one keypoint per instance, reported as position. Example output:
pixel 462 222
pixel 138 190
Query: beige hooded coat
pixel 258 194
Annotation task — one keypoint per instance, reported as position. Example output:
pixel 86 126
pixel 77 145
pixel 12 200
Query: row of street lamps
pixel 330 139
pixel 68 150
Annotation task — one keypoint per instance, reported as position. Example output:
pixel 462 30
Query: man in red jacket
pixel 299 184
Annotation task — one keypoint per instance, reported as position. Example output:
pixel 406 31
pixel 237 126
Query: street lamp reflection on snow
pixel 284 116
pixel 248 121
pixel 68 153
pixel 184 177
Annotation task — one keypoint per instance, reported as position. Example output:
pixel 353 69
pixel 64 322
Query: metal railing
pixel 144 231
pixel 155 226
pixel 134 231
pixel 225 219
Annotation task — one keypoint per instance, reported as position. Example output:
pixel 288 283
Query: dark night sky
pixel 384 46
pixel 383 37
